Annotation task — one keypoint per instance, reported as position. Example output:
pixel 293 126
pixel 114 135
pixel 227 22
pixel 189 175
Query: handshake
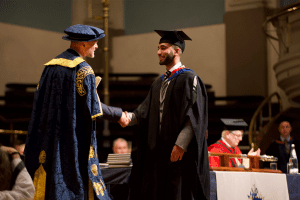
pixel 124 120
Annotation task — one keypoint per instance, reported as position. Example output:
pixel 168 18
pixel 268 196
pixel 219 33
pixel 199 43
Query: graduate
pixel 172 159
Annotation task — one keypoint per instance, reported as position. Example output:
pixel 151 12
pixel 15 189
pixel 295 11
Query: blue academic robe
pixel 61 147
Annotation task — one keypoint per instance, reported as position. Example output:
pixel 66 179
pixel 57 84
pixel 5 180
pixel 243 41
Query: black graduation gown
pixel 153 175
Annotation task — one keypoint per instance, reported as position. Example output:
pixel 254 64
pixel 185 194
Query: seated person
pixel 281 147
pixel 231 137
pixel 16 182
pixel 120 146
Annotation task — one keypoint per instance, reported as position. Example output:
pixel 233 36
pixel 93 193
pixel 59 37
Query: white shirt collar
pixel 175 66
pixel 282 138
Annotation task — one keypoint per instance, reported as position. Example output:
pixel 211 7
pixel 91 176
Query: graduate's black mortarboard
pixel 173 37
pixel 234 124
pixel 83 33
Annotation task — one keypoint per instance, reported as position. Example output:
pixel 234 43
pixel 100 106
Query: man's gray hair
pixel 224 133
pixel 121 139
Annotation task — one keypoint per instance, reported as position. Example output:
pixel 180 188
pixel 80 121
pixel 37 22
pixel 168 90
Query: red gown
pixel 221 147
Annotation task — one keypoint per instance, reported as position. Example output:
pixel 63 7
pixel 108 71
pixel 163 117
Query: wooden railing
pixel 13 133
pixel 253 163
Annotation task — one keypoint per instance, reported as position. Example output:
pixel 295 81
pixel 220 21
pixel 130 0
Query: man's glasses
pixel 237 135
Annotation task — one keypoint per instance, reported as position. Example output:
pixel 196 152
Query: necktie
pixel 287 146
pixel 164 86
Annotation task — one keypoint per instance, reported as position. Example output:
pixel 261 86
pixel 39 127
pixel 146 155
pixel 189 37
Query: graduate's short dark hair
pixel 177 47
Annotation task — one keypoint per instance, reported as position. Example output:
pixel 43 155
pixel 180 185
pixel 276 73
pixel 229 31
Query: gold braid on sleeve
pixel 80 75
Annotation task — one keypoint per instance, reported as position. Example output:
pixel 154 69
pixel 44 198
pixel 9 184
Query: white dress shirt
pixel 23 188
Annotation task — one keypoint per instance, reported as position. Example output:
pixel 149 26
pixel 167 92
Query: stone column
pixel 246 47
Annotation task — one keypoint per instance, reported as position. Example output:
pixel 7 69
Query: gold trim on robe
pixel 65 62
pixel 95 152
pixel 39 180
pixel 92 152
pixel 80 75
pixel 97 115
pixel 103 184
pixel 97 81
pixel 94 169
pixel 91 191
pixel 98 188
pixel 101 112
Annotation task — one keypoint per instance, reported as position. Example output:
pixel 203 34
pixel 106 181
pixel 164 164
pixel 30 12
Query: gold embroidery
pixel 98 189
pixel 65 62
pixel 81 74
pixel 39 180
pixel 94 169
pixel 37 87
pixel 91 152
pixel 103 185
pixel 91 191
pixel 42 157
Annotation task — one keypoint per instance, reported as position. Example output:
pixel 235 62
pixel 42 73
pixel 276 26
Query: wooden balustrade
pixel 253 163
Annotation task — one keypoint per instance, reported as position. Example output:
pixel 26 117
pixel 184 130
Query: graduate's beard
pixel 169 58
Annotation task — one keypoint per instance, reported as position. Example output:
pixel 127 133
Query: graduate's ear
pixel 178 50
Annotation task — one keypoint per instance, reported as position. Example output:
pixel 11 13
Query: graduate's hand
pixel 124 120
pixel 177 153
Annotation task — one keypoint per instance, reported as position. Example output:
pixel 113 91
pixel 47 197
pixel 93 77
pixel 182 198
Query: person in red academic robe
pixel 231 137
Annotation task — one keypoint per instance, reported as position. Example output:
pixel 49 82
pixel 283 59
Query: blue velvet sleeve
pixel 111 113
pixel 96 107
pixel 91 97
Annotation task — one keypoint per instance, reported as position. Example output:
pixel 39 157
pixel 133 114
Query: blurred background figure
pixel 16 182
pixel 120 146
pixel 281 147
